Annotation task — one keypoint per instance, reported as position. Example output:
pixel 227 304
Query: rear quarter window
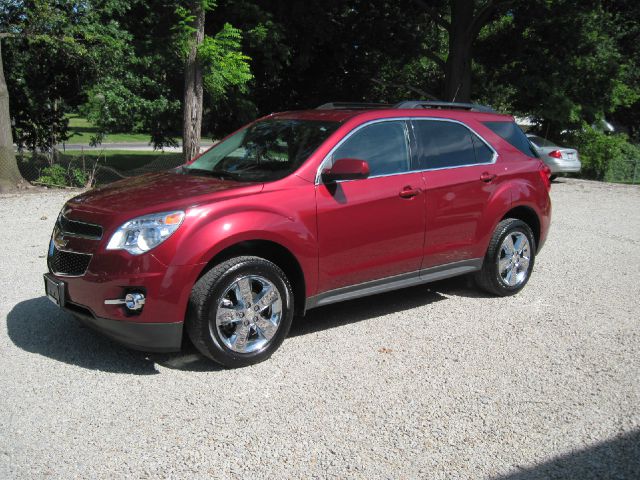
pixel 510 132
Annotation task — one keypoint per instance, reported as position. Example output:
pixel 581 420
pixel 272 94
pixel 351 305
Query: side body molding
pixel 393 283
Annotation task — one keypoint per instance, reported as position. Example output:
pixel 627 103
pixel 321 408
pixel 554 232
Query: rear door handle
pixel 409 192
pixel 487 177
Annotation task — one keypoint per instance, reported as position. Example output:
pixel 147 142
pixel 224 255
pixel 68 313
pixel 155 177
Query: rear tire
pixel 240 311
pixel 509 260
pixel 553 177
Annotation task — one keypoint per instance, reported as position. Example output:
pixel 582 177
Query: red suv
pixel 297 210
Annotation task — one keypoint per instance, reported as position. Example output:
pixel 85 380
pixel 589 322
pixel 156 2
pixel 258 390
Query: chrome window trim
pixel 407 120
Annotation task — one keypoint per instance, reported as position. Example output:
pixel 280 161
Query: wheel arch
pixel 529 216
pixel 274 252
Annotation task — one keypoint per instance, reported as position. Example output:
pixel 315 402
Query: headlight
pixel 144 233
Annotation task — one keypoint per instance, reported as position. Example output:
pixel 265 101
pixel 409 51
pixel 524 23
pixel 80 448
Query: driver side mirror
pixel 345 169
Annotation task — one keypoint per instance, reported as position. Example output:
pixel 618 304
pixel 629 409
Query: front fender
pixel 282 216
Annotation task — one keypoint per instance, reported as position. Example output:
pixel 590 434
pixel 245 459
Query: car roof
pixel 342 115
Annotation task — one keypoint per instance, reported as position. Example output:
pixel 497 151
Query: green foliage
pixel 59 176
pixel 563 62
pixel 131 104
pixel 224 66
pixel 223 63
pixel 59 47
pixel 606 157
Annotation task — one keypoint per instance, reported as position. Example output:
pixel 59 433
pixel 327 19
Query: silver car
pixel 558 159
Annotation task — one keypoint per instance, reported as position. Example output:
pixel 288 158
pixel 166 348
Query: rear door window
pixel 510 132
pixel 444 144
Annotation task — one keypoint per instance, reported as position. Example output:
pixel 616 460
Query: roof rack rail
pixel 352 106
pixel 474 107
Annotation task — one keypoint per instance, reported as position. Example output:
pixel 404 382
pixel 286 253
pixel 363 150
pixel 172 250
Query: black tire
pixel 553 177
pixel 489 278
pixel 207 294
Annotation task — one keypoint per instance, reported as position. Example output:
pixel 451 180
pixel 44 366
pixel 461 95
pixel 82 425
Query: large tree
pixel 462 20
pixel 214 63
pixel 9 174
pixel 193 85
pixel 177 61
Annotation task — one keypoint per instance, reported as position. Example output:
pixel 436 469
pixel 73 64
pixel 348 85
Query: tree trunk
pixel 10 176
pixel 193 88
pixel 457 80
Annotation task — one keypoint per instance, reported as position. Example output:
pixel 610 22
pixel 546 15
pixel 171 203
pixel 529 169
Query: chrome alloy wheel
pixel 248 314
pixel 514 259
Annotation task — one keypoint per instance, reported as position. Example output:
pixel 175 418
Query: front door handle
pixel 487 177
pixel 409 192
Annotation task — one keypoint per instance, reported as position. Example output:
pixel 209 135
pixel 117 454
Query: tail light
pixel 555 154
pixel 545 174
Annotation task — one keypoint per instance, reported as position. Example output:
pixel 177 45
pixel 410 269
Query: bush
pixel 59 176
pixel 606 157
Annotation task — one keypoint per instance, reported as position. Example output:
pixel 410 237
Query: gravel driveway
pixel 437 381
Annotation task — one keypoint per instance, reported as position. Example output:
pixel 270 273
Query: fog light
pixel 134 301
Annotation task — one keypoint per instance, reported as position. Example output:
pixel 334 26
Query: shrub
pixel 59 176
pixel 606 157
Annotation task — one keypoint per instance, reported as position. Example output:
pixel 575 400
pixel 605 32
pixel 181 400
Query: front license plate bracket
pixel 55 290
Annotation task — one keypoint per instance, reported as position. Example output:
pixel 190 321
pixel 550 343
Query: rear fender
pixel 499 203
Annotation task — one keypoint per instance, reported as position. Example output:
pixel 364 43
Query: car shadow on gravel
pixel 352 311
pixel 39 327
pixel 618 458
pixel 344 313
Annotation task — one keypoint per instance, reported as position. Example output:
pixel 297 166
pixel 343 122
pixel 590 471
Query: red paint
pixel 367 230
pixel 340 234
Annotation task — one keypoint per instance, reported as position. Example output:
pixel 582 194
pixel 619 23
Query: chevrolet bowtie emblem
pixel 59 240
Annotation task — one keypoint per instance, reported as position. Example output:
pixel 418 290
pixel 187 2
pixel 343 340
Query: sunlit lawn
pixel 81 131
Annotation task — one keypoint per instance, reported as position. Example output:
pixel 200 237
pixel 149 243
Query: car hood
pixel 156 192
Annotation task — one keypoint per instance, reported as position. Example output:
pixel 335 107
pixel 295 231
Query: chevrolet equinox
pixel 298 210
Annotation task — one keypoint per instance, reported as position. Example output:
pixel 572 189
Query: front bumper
pixel 148 337
pixel 158 326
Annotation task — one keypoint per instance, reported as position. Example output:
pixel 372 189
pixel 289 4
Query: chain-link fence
pixel 624 171
pixel 95 168
pixel 92 168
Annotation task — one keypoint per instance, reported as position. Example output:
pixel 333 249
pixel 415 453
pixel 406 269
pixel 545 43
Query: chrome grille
pixel 78 229
pixel 62 262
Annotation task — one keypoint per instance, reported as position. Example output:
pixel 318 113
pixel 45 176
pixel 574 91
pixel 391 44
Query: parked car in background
pixel 558 159
pixel 299 210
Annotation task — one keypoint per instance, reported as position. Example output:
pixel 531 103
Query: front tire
pixel 240 311
pixel 509 260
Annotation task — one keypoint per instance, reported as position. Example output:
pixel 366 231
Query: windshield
pixel 264 151
pixel 541 142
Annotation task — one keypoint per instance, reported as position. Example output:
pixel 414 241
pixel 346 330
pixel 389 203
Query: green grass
pixel 81 131
pixel 121 160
